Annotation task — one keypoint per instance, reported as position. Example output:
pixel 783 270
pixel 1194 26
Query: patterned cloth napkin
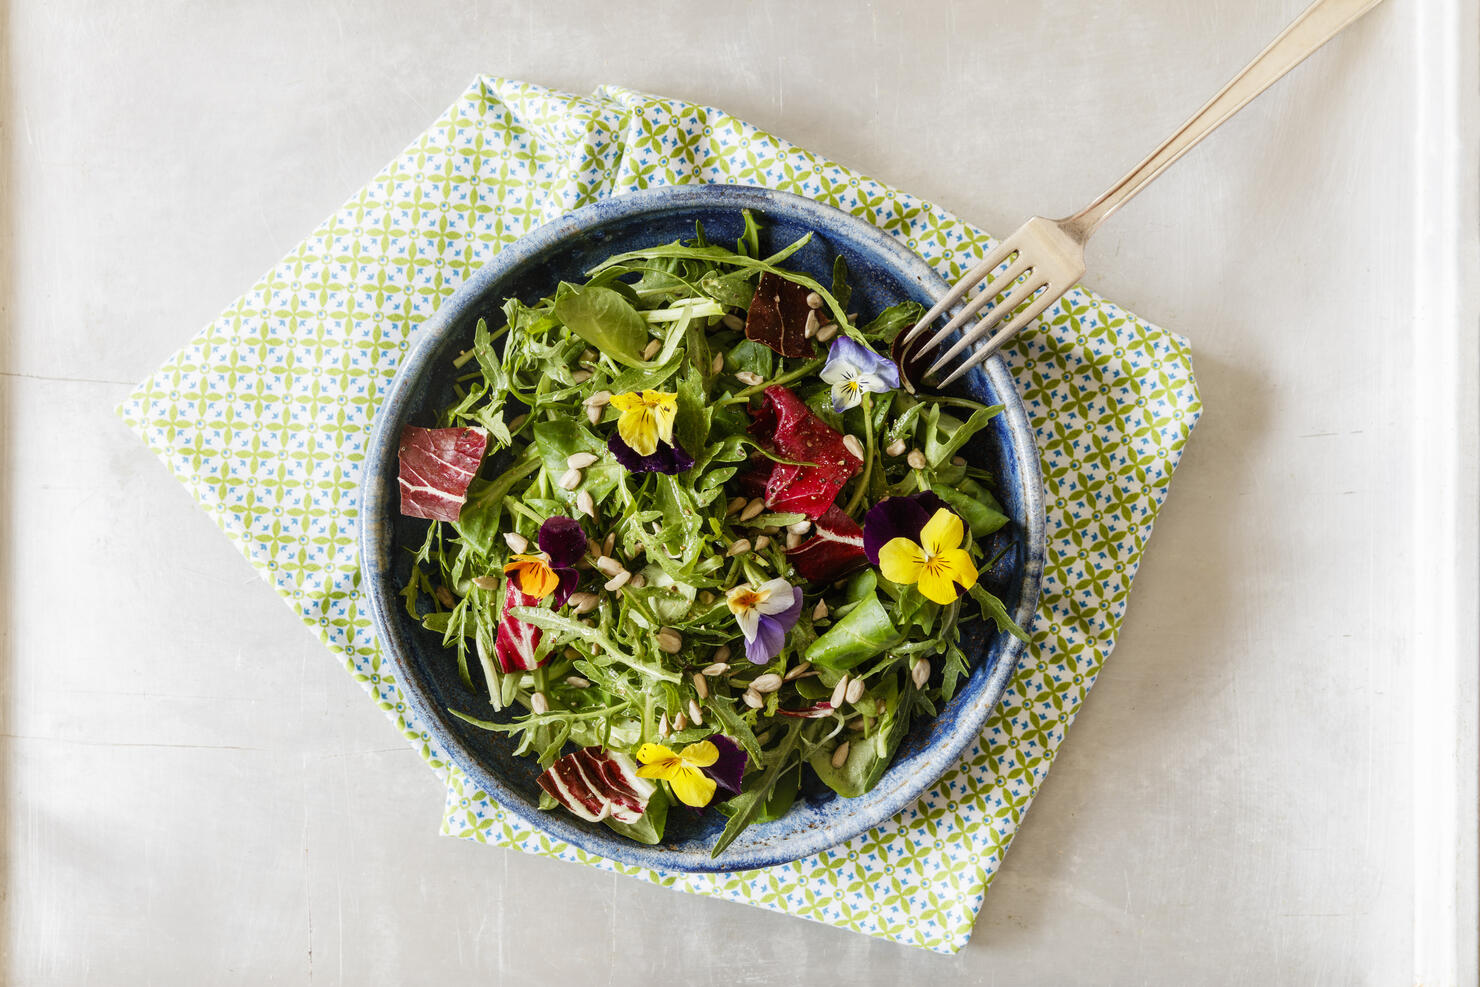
pixel 262 417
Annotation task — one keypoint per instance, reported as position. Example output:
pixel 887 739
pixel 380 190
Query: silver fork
pixel 1045 257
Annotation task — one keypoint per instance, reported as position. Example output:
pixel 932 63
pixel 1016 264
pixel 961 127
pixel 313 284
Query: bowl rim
pixel 376 519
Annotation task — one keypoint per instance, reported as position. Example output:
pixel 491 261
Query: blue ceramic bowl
pixel 882 272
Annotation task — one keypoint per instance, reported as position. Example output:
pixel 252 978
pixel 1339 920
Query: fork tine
pixel 1021 293
pixel 1008 330
pixel 1002 285
pixel 969 280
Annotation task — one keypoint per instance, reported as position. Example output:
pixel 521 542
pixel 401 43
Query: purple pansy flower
pixel 897 517
pixel 562 539
pixel 730 768
pixel 668 458
pixel 765 613
pixel 853 368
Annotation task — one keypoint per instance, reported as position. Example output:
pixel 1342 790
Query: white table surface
pixel 195 792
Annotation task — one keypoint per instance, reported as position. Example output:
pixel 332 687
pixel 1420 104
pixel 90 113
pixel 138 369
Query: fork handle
pixel 1319 23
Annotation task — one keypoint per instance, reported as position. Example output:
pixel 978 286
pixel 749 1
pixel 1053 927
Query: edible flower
pixel 729 768
pixel 562 543
pixel 669 458
pixel 852 369
pixel 683 770
pixel 765 613
pixel 938 564
pixel 897 517
pixel 647 418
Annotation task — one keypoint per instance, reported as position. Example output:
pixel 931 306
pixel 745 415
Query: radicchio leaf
pixel 517 641
pixel 778 316
pixel 436 466
pixel 834 550
pixel 597 784
pixel 789 426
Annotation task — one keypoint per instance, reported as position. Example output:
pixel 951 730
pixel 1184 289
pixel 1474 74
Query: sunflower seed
pixel 444 596
pixel 701 685
pixel 580 460
pixel 608 543
pixel 793 540
pixel 638 581
pixel 718 668
pixel 608 565
pixel 738 547
pixel 618 581
pixel 855 691
pixel 800 528
pixel 733 321
pixel 752 509
pixel 517 543
pixel 896 448
pixel 819 611
pixel 517 421
pixel 598 400
pixel 752 699
pixel 827 332
pixel 718 364
pixel 722 653
pixel 810 329
pixel 583 602
pixel 576 682
pixel 855 724
pixel 669 640
pixel 814 300
pixel 916 459
pixel 749 377
pixel 879 707
pixel 679 722
pixel 762 543
pixel 958 460
pixel 841 754
pixel 588 355
pixel 485 582
pixel 539 704
pixel 735 504
pixel 839 691
pixel 851 443
pixel 651 349
pixel 593 413
pixel 663 730
pixel 795 673
pixel 764 737
pixel 706 598
pixel 580 376
pixel 769 682
pixel 920 672
pixel 585 504
pixel 570 480
pixel 571 653
pixel 695 713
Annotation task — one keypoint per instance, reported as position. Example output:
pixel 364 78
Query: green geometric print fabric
pixel 263 415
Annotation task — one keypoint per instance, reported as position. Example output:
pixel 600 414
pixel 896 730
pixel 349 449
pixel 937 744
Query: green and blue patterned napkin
pixel 262 417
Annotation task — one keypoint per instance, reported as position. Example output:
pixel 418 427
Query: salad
pixel 695 539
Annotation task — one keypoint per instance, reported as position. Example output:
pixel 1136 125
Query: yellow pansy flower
pixel 681 770
pixel 533 575
pixel 647 417
pixel 938 564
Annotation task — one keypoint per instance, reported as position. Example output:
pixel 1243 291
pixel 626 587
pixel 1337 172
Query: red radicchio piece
pixel 796 433
pixel 517 641
pixel 436 466
pixel 810 713
pixel 597 784
pixel 833 551
pixel 778 316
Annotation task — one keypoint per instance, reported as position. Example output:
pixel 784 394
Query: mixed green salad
pixel 695 538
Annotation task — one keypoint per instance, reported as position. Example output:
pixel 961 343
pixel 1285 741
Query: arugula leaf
pixel 840 289
pixel 748 804
pixel 893 320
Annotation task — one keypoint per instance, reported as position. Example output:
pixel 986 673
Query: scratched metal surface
pixel 194 791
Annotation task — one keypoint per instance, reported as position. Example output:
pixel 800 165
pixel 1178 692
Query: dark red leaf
pixel 436 466
pixel 778 316
pixel 834 550
pixel 596 784
pixel 794 432
pixel 517 641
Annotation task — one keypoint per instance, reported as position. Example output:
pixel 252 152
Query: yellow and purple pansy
pixel 644 441
pixel 937 563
